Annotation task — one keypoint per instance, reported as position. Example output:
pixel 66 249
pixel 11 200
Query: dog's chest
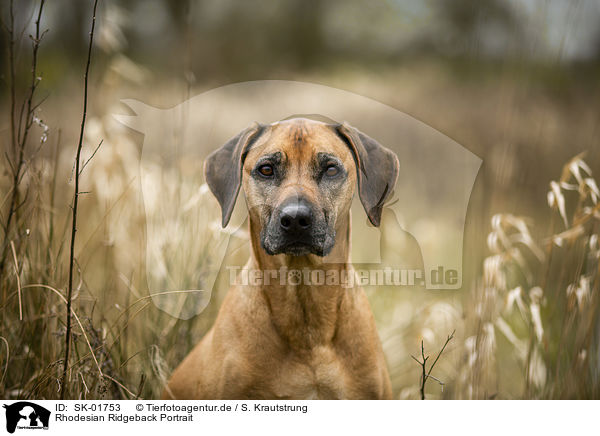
pixel 319 374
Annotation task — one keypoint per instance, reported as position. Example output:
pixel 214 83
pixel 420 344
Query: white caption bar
pixel 297 417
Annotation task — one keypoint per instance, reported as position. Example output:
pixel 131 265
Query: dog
pixel 286 339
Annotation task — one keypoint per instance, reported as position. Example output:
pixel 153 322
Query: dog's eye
pixel 266 170
pixel 332 170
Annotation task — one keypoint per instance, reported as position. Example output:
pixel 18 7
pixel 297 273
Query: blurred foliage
pixel 228 40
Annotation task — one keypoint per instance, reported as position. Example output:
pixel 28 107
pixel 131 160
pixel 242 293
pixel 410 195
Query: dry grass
pixel 537 301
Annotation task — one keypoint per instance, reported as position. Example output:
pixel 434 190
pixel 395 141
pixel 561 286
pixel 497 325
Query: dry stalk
pixel 75 205
pixel 426 374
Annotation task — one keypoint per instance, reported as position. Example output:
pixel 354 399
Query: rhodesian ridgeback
pixel 282 337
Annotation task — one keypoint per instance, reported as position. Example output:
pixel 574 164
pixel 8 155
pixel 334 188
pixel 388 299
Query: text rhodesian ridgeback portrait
pixel 289 340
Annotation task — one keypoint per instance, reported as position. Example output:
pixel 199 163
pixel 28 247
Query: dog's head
pixel 299 177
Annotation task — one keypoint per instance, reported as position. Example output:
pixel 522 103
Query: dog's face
pixel 299 177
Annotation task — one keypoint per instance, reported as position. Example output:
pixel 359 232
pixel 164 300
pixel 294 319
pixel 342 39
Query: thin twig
pixel 426 374
pixel 441 351
pixel 75 202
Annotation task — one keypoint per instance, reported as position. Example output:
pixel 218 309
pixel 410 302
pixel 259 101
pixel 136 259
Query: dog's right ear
pixel 223 169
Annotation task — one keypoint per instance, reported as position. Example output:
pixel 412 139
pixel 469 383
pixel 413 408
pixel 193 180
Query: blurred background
pixel 516 82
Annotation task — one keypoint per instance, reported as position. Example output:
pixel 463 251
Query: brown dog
pixel 286 339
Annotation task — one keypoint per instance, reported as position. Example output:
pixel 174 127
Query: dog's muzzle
pixel 297 228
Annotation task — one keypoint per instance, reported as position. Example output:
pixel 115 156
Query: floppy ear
pixel 223 169
pixel 376 167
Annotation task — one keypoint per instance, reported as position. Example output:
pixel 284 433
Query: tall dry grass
pixel 533 324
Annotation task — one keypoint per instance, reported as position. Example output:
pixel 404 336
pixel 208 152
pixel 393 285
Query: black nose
pixel 295 217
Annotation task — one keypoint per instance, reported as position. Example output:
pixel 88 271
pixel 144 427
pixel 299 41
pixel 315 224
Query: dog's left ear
pixel 376 167
pixel 223 169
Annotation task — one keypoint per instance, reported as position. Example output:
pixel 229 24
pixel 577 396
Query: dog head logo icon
pixel 26 415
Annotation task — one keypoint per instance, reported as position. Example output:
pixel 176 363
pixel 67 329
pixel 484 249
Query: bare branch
pixel 426 374
pixel 75 203
pixel 441 351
